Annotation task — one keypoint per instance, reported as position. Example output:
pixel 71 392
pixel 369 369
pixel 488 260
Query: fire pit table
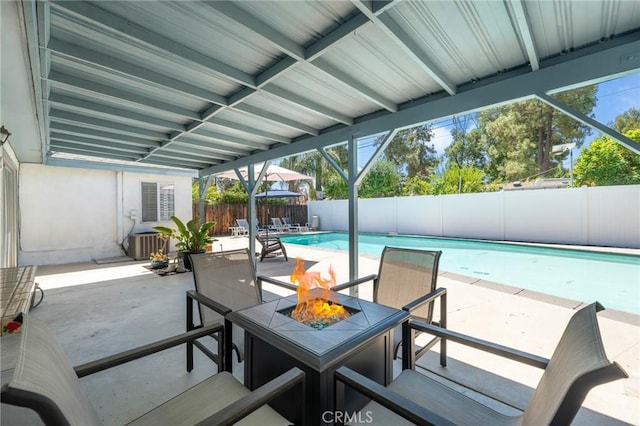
pixel 275 342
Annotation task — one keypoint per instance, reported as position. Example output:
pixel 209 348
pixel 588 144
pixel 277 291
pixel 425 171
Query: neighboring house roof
pixel 548 183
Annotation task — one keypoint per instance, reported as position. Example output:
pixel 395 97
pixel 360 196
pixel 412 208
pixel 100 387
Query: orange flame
pixel 310 308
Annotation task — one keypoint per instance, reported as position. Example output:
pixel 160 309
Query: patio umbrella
pixel 273 174
pixel 278 193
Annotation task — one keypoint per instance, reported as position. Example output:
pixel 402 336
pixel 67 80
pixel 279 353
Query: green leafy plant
pixel 191 236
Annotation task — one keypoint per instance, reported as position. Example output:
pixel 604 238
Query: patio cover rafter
pixel 585 119
pixel 587 66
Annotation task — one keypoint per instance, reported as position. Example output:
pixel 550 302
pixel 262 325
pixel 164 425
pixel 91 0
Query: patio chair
pixel 407 280
pixel 294 227
pixel 278 225
pixel 224 282
pixel 243 223
pixel 578 364
pixel 271 244
pixel 44 381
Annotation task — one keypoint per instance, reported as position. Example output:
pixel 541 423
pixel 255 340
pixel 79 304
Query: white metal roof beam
pixel 182 157
pixel 308 104
pixel 296 52
pixel 231 141
pixel 384 22
pixel 104 149
pixel 119 94
pixel 84 121
pixel 584 119
pixel 219 151
pixel 585 66
pixel 102 18
pixel 93 151
pixel 111 166
pixel 114 22
pixel 78 140
pixel 32 22
pixel 247 129
pixel 170 162
pixel 132 71
pixel 83 105
pixel 363 90
pixel 283 121
pixel 250 23
pixel 101 134
pixel 521 21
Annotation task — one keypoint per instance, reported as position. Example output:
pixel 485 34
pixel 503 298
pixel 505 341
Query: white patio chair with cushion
pixel 44 381
pixel 578 364
pixel 277 225
pixel 294 227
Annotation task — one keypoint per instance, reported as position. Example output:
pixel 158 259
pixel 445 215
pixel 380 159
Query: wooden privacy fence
pixel 225 215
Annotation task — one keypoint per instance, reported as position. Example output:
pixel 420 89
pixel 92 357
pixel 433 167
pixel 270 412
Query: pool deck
pixel 99 308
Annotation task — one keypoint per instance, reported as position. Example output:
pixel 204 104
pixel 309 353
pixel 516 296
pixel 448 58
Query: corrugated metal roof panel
pixel 371 57
pixel 282 76
pixel 300 21
pixel 559 27
pixel 462 38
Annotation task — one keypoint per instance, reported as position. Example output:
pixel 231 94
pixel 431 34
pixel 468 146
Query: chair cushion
pixel 439 398
pixel 204 400
pixel 43 370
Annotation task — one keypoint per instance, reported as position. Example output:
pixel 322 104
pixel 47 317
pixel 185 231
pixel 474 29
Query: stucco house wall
pixel 76 215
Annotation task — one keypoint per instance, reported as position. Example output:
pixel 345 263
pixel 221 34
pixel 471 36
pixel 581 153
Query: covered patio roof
pixel 210 86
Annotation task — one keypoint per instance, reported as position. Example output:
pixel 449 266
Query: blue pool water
pixel 611 279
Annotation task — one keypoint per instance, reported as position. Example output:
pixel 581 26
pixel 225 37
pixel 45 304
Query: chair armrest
pixel 355 282
pixel 387 398
pixel 270 280
pixel 208 302
pixel 236 411
pixel 412 306
pixel 494 348
pixel 142 351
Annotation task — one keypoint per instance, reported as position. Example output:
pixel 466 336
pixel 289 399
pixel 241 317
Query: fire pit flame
pixel 316 312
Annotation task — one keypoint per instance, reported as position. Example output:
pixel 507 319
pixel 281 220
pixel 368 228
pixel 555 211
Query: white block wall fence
pixel 597 216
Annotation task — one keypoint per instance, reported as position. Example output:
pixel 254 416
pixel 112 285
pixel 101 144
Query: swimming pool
pixel 611 279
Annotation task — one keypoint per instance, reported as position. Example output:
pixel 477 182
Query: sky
pixel 613 98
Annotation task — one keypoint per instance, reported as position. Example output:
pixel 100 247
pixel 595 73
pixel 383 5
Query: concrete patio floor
pixel 98 309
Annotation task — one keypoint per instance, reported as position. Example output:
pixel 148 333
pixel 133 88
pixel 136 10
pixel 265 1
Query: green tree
pixel 467 148
pixel 211 196
pixel 235 194
pixel 628 120
pixel 383 180
pixel 455 179
pixel 411 150
pixel 416 186
pixel 336 188
pixel 519 137
pixel 606 162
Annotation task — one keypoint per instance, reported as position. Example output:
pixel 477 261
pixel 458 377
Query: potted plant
pixel 160 258
pixel 191 237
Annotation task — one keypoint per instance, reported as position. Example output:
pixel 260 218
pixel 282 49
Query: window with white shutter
pixel 158 201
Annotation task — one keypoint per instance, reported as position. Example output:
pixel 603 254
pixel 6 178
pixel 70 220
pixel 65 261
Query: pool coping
pixel 613 314
pixel 616 315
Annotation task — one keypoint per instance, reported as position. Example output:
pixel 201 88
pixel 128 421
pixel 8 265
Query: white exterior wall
pixel 599 216
pixel 76 215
